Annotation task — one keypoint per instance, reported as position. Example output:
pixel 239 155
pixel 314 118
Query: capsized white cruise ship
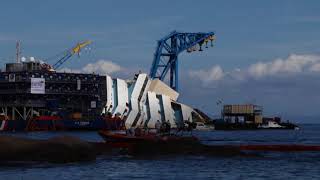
pixel 143 101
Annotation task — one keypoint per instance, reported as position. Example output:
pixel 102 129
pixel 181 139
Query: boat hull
pixel 59 125
pixel 149 143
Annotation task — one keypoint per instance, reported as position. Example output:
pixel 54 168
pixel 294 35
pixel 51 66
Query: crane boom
pixel 168 49
pixel 69 53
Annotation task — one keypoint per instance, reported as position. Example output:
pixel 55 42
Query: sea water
pixel 268 165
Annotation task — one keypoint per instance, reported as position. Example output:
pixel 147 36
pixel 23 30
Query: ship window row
pixel 60 77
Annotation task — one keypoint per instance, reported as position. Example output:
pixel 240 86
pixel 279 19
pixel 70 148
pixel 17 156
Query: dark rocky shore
pixel 55 150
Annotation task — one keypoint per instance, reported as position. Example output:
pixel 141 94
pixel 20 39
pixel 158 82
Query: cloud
pixel 213 74
pixel 99 67
pixel 102 67
pixel 294 64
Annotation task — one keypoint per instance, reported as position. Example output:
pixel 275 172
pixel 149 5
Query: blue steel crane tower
pixel 168 49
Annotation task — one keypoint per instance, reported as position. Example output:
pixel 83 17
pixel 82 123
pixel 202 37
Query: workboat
pixel 271 125
pixel 123 136
pixel 147 142
pixel 276 125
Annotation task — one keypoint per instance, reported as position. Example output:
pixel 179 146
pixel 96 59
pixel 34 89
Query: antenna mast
pixel 18 52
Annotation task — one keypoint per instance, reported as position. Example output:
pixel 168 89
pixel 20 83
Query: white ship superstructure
pixel 143 101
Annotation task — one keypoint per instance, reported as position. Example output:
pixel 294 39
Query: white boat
pixel 202 127
pixel 271 125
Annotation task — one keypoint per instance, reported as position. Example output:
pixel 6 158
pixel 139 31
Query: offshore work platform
pixel 30 87
pixel 22 94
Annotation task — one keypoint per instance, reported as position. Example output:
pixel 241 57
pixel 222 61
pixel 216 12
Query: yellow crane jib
pixel 79 46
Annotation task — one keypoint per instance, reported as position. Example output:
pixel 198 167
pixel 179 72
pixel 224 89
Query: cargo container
pixel 258 119
pixel 242 109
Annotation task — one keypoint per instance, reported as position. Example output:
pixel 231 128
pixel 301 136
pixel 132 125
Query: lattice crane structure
pixel 168 49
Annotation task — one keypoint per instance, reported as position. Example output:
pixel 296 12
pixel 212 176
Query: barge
pixel 249 117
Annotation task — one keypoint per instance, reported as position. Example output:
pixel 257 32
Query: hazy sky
pixel 267 52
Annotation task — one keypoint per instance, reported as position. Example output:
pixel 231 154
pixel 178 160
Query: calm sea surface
pixel 267 166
